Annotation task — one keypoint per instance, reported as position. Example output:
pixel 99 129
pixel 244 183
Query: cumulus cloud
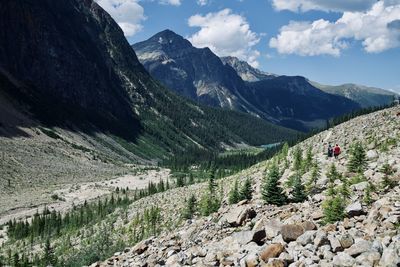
pixel 376 29
pixel 202 2
pixel 127 13
pixel 324 5
pixel 226 34
pixel 171 2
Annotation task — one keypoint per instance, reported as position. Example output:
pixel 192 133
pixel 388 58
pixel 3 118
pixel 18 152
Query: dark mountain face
pixel 60 53
pixel 201 75
pixel 73 67
pixel 195 73
pixel 289 97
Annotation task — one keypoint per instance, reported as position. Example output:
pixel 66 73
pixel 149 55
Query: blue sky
pixel 328 41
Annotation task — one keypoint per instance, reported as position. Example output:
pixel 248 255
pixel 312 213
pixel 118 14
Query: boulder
pixel 343 259
pixel 346 241
pixel 275 263
pixel 369 258
pixel 321 238
pixel 306 238
pixel 273 228
pixel 251 260
pixel 308 226
pixel 271 251
pixel 359 247
pixel 290 232
pixel 372 154
pixel 236 216
pixel 354 209
pixel 389 258
pixel 335 244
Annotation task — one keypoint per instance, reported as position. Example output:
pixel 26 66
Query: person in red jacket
pixel 336 151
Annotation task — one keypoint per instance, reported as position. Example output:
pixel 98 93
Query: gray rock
pixel 343 259
pixel 346 240
pixel 290 232
pixel 273 228
pixel 306 238
pixel 243 237
pixel 335 244
pixel 377 246
pixel 321 238
pixel 369 258
pixel 354 209
pixel 236 216
pixel 360 186
pixel 389 258
pixel 372 154
pixel 359 247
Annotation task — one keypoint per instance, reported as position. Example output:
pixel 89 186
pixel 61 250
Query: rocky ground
pixel 252 233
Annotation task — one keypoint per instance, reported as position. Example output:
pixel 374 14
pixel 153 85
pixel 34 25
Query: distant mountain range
pixel 291 101
pixel 69 65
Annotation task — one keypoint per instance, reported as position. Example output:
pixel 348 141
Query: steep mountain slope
pixel 296 102
pixel 252 233
pixel 245 71
pixel 201 75
pixel 195 73
pixel 76 105
pixel 364 95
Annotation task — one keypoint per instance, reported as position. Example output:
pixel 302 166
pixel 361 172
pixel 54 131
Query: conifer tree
pixel 314 176
pixel 358 158
pixel 367 199
pixel 333 174
pixel 333 209
pixel 48 257
pixel 272 193
pixel 246 190
pixel 299 194
pixel 298 159
pixel 234 194
pixel 191 207
pixel 308 161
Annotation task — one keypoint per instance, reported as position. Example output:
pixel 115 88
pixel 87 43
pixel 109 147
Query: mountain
pixel 245 71
pixel 76 105
pixel 194 73
pixel 81 71
pixel 364 95
pixel 199 74
pixel 255 233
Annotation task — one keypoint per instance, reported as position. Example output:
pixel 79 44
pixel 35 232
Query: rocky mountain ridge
pixel 252 233
pixel 201 75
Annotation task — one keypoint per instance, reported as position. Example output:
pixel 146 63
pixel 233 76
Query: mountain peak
pixel 246 71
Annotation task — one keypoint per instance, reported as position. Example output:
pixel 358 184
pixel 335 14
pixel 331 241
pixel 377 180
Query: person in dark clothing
pixel 336 151
pixel 330 151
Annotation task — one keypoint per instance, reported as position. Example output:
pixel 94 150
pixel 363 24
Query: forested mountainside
pixel 77 106
pixel 201 75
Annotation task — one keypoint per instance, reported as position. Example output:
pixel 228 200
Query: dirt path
pixel 77 194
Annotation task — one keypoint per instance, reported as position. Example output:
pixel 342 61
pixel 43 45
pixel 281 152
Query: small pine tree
pixel 345 189
pixel 234 194
pixel 191 207
pixel 246 190
pixel 358 158
pixel 334 209
pixel 333 174
pixel 314 176
pixel 191 178
pixel 272 193
pixel 48 257
pixel 298 159
pixel 180 181
pixel 308 161
pixel 299 192
pixel 367 199
pixel 212 185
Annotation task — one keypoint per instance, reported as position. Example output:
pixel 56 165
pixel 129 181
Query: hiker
pixel 336 151
pixel 330 151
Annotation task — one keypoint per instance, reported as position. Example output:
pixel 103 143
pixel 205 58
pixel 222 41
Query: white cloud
pixel 376 29
pixel 226 34
pixel 127 13
pixel 171 2
pixel 324 5
pixel 202 2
